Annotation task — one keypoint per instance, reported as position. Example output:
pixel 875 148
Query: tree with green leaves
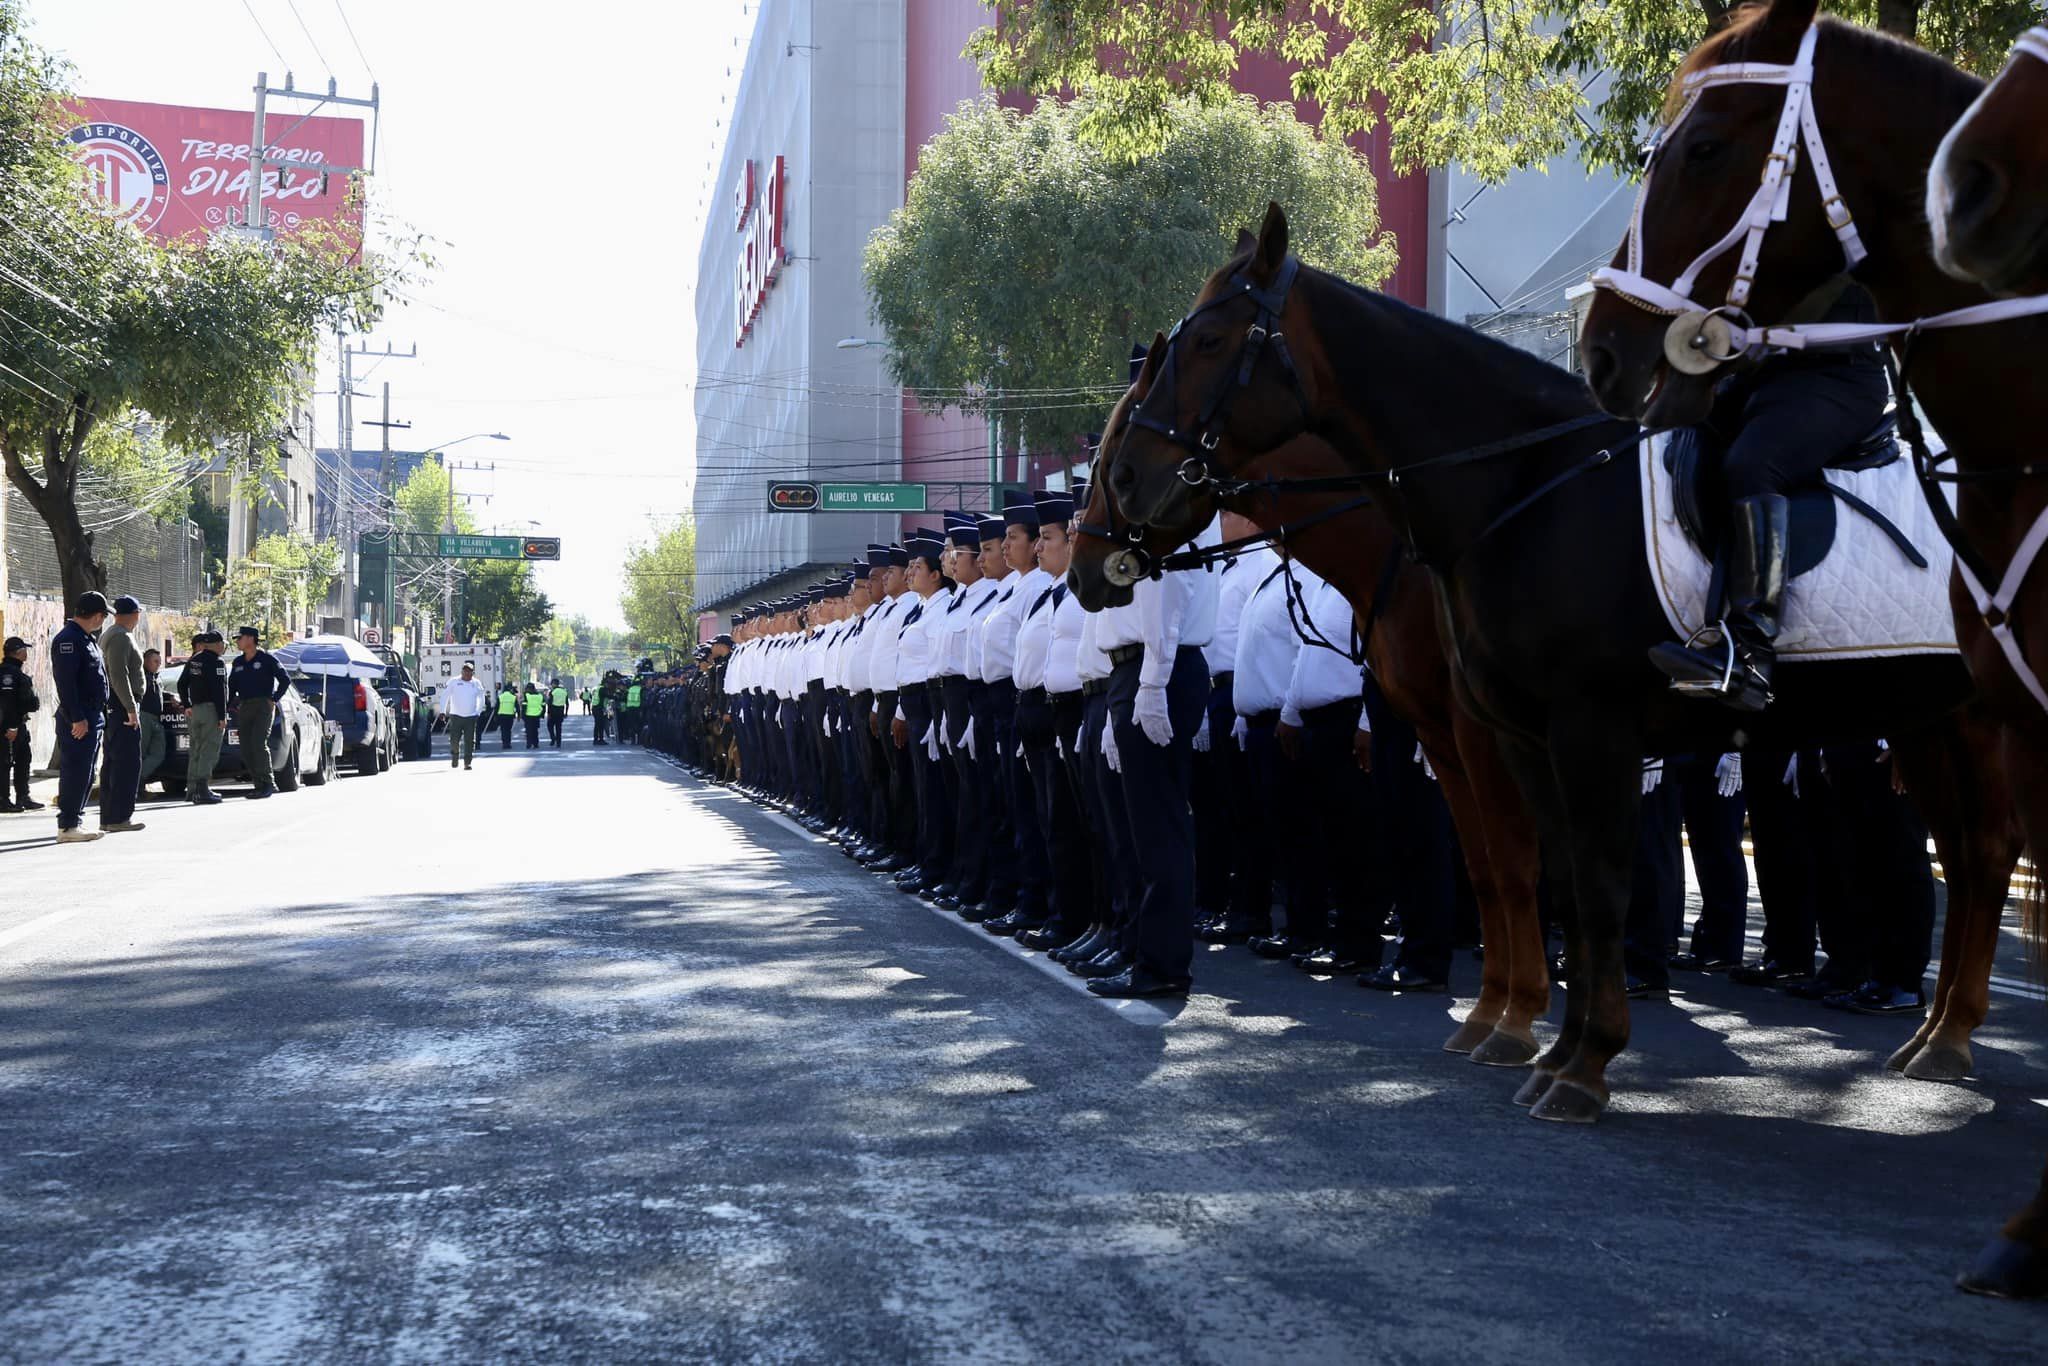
pixel 209 340
pixel 278 586
pixel 574 647
pixel 1493 85
pixel 1025 259
pixel 500 599
pixel 659 594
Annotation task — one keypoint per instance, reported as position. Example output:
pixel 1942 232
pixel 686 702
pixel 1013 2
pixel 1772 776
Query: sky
pixel 560 156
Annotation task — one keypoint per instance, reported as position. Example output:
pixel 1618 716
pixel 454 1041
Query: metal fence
pixel 162 563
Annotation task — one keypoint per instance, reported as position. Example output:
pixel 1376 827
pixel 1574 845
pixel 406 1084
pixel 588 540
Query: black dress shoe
pixel 910 872
pixel 1643 989
pixel 1401 977
pixel 1875 998
pixel 1044 937
pixel 1769 972
pixel 893 863
pixel 1080 949
pixel 1692 962
pixel 944 901
pixel 1134 983
pixel 980 912
pixel 1818 987
pixel 1108 963
pixel 29 804
pixel 1557 969
pixel 1228 928
pixel 1274 946
pixel 1328 962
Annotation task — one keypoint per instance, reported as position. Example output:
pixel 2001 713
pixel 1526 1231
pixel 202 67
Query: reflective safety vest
pixel 535 704
pixel 633 696
pixel 507 702
pixel 560 697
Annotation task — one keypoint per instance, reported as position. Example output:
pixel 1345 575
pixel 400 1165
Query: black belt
pixel 1222 680
pixel 1124 654
pixel 1033 695
pixel 935 686
pixel 1092 686
pixel 1060 699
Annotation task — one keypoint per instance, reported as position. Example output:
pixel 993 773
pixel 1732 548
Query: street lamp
pixel 852 343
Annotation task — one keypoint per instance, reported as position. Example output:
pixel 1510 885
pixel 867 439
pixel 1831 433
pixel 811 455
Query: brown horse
pixel 1501 477
pixel 1979 384
pixel 1361 557
pixel 1984 200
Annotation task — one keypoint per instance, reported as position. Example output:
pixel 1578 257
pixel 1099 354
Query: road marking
pixel 1137 1012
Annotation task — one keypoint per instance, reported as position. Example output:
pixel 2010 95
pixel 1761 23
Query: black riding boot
pixel 1736 669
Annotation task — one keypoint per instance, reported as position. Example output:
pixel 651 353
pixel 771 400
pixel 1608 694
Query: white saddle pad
pixel 1866 600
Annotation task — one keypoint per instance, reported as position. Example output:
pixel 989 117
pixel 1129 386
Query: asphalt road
pixel 572 1058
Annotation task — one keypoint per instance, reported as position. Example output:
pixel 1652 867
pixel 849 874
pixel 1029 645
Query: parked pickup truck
pixel 356 712
pixel 414 716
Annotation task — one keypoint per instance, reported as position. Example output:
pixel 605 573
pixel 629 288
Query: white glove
pixel 1109 754
pixel 1728 775
pixel 945 739
pixel 1202 735
pixel 967 739
pixel 825 723
pixel 1148 711
pixel 1653 773
pixel 1020 749
pixel 1240 733
pixel 1791 778
pixel 1059 742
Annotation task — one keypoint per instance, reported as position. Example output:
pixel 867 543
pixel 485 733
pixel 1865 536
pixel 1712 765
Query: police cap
pixel 124 603
pixel 13 643
pixel 248 632
pixel 91 603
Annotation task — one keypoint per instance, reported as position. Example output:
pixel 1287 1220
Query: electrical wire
pixel 293 6
pixel 266 34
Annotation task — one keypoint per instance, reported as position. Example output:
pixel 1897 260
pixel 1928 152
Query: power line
pixel 265 32
pixel 293 6
pixel 353 41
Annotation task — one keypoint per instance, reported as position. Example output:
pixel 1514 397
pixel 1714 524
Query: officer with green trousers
pixel 203 688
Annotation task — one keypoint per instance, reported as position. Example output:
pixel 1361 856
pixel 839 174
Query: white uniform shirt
pixel 1092 660
pixel 1034 632
pixel 461 697
pixel 919 643
pixel 1235 580
pixel 998 629
pixel 1063 654
pixel 1267 644
pixel 955 631
pixel 886 628
pixel 1322 676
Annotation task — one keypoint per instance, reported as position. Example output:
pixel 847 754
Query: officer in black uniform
pixel 82 697
pixel 18 701
pixel 255 683
pixel 203 688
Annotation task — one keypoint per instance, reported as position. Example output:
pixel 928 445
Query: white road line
pixel 1137 1012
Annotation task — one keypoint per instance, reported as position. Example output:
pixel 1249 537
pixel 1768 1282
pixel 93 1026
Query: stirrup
pixel 1701 687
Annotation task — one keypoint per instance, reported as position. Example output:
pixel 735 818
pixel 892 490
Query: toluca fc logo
pixel 125 174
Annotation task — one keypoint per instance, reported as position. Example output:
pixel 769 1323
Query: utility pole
pixel 255 218
pixel 448 583
pixel 389 618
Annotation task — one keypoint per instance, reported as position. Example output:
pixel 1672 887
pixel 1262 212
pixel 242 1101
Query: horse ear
pixel 1791 16
pixel 1155 356
pixel 1272 242
pixel 1246 243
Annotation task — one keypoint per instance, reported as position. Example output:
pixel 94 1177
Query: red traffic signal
pixel 541 548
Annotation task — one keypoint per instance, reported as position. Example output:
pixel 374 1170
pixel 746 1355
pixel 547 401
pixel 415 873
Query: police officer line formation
pixel 1113 787
pixel 108 699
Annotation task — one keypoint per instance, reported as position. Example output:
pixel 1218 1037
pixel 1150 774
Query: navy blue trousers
pixel 76 760
pixel 122 777
pixel 1156 783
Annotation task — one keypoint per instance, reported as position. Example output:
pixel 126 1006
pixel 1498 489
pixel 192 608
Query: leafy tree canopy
pixel 500 597
pixel 278 586
pixel 661 586
pixel 1027 258
pixel 1494 85
pixel 211 339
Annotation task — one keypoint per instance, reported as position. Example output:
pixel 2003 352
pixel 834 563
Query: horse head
pixel 1984 204
pixel 1746 210
pixel 1235 378
pixel 1112 552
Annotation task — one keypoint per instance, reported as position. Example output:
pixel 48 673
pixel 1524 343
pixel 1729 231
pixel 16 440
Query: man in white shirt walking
pixel 462 702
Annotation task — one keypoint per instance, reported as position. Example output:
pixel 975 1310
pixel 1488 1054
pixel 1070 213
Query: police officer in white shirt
pixel 915 724
pixel 1026 863
pixel 897 850
pixel 1224 821
pixel 967 888
pixel 1063 848
pixel 1267 644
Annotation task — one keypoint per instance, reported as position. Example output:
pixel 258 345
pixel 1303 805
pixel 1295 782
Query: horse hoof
pixel 1469 1036
pixel 1907 1051
pixel 1533 1089
pixel 1503 1049
pixel 1940 1062
pixel 1567 1102
pixel 2007 1270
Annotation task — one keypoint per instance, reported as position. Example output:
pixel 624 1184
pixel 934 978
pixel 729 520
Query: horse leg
pixel 1530 768
pixel 1493 969
pixel 2014 1265
pixel 1514 865
pixel 1971 814
pixel 1598 767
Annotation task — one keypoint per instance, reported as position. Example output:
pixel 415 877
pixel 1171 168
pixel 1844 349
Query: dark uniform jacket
pixel 17 695
pixel 257 676
pixel 80 674
pixel 205 680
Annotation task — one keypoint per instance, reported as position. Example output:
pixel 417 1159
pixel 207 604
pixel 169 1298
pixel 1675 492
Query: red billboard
pixel 172 171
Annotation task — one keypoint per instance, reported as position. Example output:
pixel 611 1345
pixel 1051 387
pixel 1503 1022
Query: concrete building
pixel 812 164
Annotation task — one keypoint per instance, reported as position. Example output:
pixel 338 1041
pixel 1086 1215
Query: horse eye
pixel 1703 151
pixel 1207 343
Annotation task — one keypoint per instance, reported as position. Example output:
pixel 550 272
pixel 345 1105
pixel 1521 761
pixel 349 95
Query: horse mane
pixel 1917 69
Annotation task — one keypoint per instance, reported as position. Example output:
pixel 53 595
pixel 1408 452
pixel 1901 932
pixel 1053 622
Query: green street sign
pixel 871 498
pixel 480 548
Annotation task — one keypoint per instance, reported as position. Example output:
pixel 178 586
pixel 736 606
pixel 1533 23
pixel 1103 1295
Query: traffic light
pixel 541 548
